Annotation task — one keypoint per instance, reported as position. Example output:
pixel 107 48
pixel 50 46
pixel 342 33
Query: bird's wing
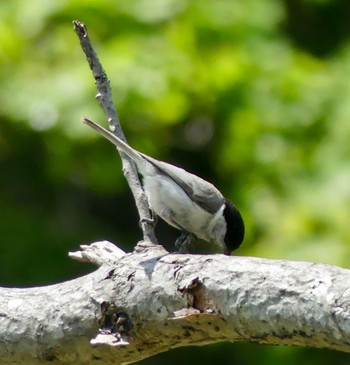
pixel 200 191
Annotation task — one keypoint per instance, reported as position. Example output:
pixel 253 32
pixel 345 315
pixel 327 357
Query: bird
pixel 183 200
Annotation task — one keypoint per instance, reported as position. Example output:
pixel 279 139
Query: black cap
pixel 234 227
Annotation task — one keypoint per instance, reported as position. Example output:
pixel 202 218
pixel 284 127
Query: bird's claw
pixel 185 242
pixel 153 220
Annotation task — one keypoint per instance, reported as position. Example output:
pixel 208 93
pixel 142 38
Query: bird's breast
pixel 170 202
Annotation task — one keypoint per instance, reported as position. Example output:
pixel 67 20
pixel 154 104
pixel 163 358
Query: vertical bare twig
pixel 104 96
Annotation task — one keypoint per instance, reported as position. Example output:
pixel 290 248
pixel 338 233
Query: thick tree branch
pixel 104 96
pixel 151 301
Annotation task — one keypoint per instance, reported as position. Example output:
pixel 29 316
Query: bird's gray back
pixel 200 191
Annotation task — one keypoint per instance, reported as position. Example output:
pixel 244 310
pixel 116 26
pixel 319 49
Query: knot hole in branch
pixel 114 320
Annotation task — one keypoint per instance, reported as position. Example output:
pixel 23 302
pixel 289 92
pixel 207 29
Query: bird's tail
pixel 135 155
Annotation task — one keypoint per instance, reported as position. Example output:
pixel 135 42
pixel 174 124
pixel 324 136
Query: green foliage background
pixel 253 95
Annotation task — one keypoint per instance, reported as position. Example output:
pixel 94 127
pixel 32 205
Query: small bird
pixel 184 200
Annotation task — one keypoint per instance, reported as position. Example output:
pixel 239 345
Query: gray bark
pixel 150 301
pixel 104 96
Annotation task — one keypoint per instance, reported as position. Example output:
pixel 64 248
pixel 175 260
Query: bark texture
pixel 150 301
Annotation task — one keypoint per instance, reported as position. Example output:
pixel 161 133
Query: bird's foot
pixel 185 242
